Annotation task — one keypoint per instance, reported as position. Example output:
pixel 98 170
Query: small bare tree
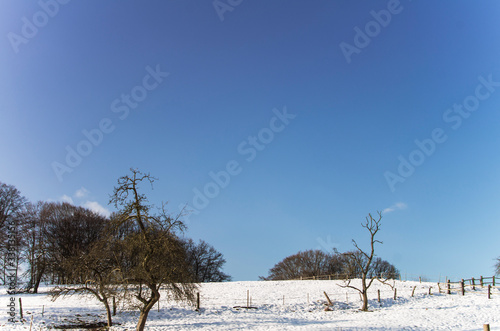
pixel 363 260
pixel 97 266
pixel 497 266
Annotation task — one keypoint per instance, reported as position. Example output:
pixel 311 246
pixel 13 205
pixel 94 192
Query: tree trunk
pixel 155 296
pixel 143 317
pixel 108 312
pixel 38 279
pixel 365 301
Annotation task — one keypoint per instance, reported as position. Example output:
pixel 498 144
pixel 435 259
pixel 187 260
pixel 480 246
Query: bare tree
pixel 151 255
pixel 305 264
pixel 350 268
pixel 34 243
pixel 383 270
pixel 497 266
pixel 363 260
pixel 99 271
pixel 11 203
pixel 206 262
pixel 70 232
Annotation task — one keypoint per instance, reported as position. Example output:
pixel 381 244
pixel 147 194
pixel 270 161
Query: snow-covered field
pixel 283 305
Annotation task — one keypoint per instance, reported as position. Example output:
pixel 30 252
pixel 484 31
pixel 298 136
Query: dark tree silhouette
pixel 205 262
pixel 11 204
pixel 305 264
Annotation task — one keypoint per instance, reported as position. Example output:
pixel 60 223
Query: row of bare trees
pixel 311 263
pixel 128 256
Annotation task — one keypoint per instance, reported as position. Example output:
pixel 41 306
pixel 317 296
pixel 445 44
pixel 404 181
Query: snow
pixel 302 308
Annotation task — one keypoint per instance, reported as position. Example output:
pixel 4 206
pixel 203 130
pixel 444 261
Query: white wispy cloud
pixel 394 207
pixel 66 198
pixel 81 193
pixel 96 207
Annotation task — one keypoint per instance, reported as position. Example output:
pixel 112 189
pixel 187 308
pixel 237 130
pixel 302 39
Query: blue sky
pixel 291 123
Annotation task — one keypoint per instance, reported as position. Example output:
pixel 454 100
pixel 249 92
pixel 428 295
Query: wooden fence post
pixel 473 284
pixel 489 291
pixel 328 299
pixel 395 293
pixel 486 327
pixel 430 290
pixel 198 301
pixel 493 280
pixel 378 295
pixel 462 284
pixel 413 292
pixel 248 298
pixel 482 284
pixel 21 308
pixel 449 286
pixel 114 306
pixel 43 309
pixel 420 279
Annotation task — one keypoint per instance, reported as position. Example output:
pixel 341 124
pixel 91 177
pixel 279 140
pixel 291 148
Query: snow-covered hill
pixel 283 305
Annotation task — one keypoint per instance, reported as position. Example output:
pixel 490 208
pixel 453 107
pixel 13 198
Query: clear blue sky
pixel 350 107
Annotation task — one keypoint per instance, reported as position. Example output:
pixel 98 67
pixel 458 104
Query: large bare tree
pixel 151 255
pixel 362 260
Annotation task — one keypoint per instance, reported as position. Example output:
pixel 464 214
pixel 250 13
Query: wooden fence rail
pixel 336 276
pixel 460 287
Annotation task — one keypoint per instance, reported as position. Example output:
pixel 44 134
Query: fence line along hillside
pixel 476 285
pixel 252 296
pixel 335 276
pixel 278 294
pixel 342 276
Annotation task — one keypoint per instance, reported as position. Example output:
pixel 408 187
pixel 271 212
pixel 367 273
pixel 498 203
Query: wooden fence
pixel 336 276
pixel 473 283
pixel 325 277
